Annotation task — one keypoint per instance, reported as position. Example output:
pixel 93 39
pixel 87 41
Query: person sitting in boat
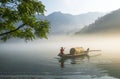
pixel 62 51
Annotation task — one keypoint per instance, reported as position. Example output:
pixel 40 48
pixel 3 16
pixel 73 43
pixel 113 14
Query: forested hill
pixel 110 23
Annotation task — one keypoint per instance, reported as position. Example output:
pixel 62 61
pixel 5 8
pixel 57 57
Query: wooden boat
pixel 74 55
pixel 76 52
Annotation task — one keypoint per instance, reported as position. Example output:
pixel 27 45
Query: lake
pixel 38 59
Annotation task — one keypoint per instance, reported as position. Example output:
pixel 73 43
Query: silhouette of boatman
pixel 62 51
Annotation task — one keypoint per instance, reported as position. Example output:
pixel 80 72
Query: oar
pixel 94 50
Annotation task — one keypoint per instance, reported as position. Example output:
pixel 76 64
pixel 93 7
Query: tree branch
pixel 2 34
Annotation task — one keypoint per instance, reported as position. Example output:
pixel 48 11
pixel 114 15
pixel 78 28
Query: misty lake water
pixel 38 59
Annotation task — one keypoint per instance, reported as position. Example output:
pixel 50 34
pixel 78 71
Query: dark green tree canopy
pixel 18 20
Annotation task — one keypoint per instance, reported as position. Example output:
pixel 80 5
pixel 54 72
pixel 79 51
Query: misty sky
pixel 80 6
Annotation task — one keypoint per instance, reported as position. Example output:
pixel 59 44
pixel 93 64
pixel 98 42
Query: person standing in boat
pixel 88 49
pixel 62 51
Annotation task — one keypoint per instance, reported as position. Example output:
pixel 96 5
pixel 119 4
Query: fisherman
pixel 62 51
pixel 88 49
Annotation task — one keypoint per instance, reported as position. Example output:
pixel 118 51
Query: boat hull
pixel 72 56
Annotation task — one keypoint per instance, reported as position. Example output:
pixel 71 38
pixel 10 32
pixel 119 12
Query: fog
pixel 109 45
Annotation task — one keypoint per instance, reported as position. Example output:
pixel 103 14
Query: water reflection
pixel 75 60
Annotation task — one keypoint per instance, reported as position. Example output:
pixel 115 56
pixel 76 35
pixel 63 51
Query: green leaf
pixel 20 22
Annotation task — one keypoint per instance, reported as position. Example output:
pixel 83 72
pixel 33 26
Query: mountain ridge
pixel 106 24
pixel 62 23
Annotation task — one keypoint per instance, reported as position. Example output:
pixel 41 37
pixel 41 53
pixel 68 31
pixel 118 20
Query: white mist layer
pixel 108 45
